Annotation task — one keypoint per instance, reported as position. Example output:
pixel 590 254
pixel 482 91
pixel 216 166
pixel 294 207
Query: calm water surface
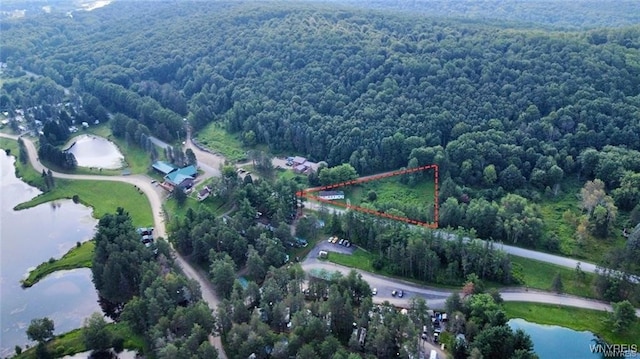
pixel 95 151
pixel 553 342
pixel 28 238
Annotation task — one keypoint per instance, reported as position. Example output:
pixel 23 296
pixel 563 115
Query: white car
pixel 374 291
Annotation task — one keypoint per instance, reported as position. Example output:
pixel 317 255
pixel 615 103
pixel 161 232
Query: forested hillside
pixel 500 108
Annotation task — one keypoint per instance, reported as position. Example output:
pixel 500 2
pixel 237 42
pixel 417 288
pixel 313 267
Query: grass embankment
pixel 77 257
pixel 218 140
pixel 540 275
pixel 575 318
pixel 537 275
pixel 23 170
pixel 138 161
pixel 71 342
pixel 103 196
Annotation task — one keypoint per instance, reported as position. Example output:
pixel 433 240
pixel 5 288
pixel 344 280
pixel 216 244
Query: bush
pixel 52 260
pixel 75 199
pixel 378 263
pixel 118 344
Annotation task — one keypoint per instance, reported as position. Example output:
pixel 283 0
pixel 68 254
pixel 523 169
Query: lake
pixel 28 238
pixel 552 341
pixel 95 151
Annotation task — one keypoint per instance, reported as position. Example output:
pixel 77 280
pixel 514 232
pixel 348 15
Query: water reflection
pixel 28 238
pixel 95 151
pixel 552 341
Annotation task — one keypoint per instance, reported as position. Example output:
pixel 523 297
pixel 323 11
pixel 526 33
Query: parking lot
pixel 324 245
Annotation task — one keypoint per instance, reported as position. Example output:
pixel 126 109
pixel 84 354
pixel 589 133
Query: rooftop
pixel 164 167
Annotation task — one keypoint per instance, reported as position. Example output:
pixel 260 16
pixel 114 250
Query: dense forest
pixel 512 115
pixel 145 290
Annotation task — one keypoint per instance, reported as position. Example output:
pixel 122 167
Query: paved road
pixel 207 161
pixel 156 196
pixel 516 251
pixel 436 297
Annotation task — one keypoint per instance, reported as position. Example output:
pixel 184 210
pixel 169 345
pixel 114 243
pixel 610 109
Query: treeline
pixel 167 124
pixel 63 159
pixel 207 238
pixel 423 255
pixel 478 326
pixel 144 289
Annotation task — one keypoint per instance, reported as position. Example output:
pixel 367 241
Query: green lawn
pixel 391 190
pixel 103 196
pixel 574 318
pixel 539 275
pixel 359 259
pixel 77 257
pixel 218 140
pixel 71 342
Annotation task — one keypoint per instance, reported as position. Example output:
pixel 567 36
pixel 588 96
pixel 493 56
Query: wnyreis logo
pixel 615 350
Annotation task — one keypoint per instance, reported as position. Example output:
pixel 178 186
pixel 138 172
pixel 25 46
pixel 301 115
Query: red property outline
pixel 307 194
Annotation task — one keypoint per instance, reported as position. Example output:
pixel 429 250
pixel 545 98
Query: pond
pixel 28 238
pixel 95 151
pixel 552 341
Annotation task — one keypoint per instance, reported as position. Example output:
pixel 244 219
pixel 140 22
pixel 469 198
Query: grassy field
pixel 77 257
pixel 393 191
pixel 359 259
pixel 578 319
pixel 560 214
pixel 103 196
pixel 219 140
pixel 71 342
pixel 539 275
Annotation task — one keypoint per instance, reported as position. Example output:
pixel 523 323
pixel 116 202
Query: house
pixel 300 168
pixel 331 195
pixel 204 193
pixel 182 178
pixel 297 161
pixel 163 167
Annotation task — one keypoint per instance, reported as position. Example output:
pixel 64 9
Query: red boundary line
pixel 307 194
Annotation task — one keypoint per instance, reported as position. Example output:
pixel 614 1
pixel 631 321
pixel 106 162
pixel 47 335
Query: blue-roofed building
pixel 182 178
pixel 164 167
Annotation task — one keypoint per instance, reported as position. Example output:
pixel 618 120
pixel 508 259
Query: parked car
pixel 341 241
pixel 400 294
pixel 374 291
pixel 394 293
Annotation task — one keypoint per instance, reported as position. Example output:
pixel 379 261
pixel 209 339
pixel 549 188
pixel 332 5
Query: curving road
pixel 436 297
pixel 155 195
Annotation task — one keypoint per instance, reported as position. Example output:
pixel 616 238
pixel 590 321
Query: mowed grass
pixel 359 259
pixel 218 140
pixel 72 342
pixel 103 196
pixel 575 318
pixel 539 275
pixel 77 257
